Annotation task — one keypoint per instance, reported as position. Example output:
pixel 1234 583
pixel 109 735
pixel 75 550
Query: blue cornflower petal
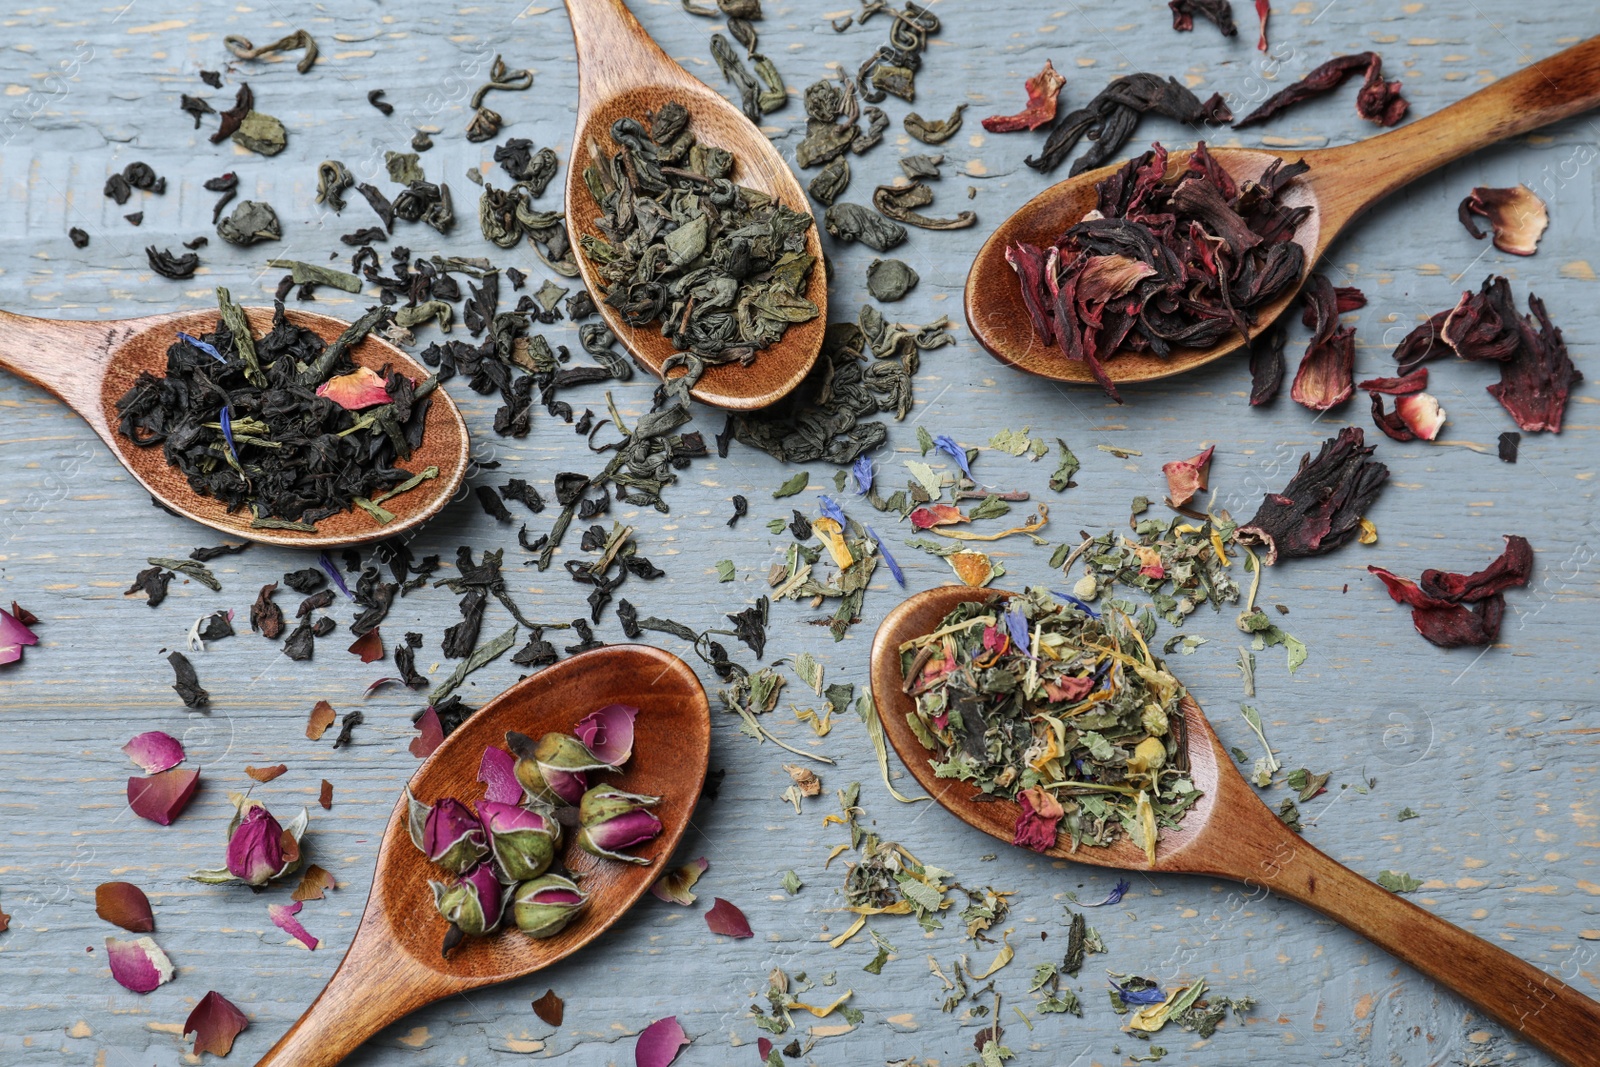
pixel 333 572
pixel 1079 604
pixel 832 510
pixel 862 472
pixel 894 568
pixel 1114 897
pixel 1141 997
pixel 226 419
pixel 947 444
pixel 1017 625
pixel 202 346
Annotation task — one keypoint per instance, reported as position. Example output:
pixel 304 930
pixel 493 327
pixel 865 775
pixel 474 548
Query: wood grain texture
pixel 625 74
pixel 1231 833
pixel 1343 183
pixel 1497 754
pixel 92 365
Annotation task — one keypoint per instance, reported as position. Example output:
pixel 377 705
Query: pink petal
pixel 138 965
pixel 609 732
pixel 369 646
pixel 284 916
pixel 13 635
pixel 1185 477
pixel 724 918
pixel 214 1023
pixel 163 796
pixel 568 785
pixel 430 734
pixel 361 389
pixel 500 785
pixel 660 1043
pixel 125 905
pixel 675 886
pixel 625 831
pixel 155 751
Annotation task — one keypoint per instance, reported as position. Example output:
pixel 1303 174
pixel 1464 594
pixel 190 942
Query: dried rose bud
pixel 544 906
pixel 259 847
pixel 523 842
pixel 448 833
pixel 553 770
pixel 613 820
pixel 474 903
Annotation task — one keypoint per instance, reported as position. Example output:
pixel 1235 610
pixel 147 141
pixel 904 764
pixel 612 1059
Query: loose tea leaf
pixel 849 222
pixel 890 279
pixel 1217 11
pixel 250 223
pixel 934 131
pixel 243 49
pixel 187 683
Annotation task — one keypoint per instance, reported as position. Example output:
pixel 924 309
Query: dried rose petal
pixel 1415 382
pixel 932 515
pixel 1517 216
pixel 124 904
pixel 1036 825
pixel 283 916
pixel 1512 567
pixel 325 798
pixel 14 634
pixel 1421 413
pixel 162 797
pixel 154 751
pixel 369 646
pixel 660 1043
pixel 362 388
pixel 674 886
pixel 496 772
pixel 214 1022
pixel 322 717
pixel 1044 88
pixel 1185 477
pixel 550 1008
pixel 430 734
pixel 609 732
pixel 724 918
pixel 313 884
pixel 267 774
pixel 138 965
pixel 1321 507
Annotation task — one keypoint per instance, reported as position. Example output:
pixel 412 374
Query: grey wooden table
pixel 1494 751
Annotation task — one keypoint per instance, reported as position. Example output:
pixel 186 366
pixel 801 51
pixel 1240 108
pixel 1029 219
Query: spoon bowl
pixel 90 365
pixel 394 964
pixel 1341 184
pixel 1231 833
pixel 624 74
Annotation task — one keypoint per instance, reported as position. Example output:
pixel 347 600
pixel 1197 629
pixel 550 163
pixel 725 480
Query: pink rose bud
pixel 554 769
pixel 524 842
pixel 448 833
pixel 613 820
pixel 474 903
pixel 544 906
pixel 255 851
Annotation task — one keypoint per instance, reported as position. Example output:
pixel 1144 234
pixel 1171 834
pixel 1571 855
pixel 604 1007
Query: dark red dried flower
pixel 1536 380
pixel 1044 88
pixel 1517 216
pixel 1438 603
pixel 1321 507
pixel 1378 101
pixel 1267 363
pixel 1217 11
pixel 1513 567
pixel 1326 377
pixel 1415 382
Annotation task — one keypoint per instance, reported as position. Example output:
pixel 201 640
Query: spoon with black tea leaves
pixel 394 965
pixel 90 365
pixel 1341 184
pixel 623 73
pixel 1230 833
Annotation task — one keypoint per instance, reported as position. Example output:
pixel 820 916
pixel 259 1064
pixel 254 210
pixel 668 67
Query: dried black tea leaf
pixel 164 263
pixel 375 98
pixel 333 179
pixel 186 683
pixel 79 238
pixel 266 618
pixel 152 582
pixel 347 726
pixel 1509 442
pixel 212 78
pixel 231 118
pixel 741 508
pixel 196 107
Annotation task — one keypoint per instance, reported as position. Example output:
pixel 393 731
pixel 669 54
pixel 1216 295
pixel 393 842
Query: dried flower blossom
pixel 259 848
pixel 608 733
pixel 1038 816
pixel 523 842
pixel 497 772
pixel 1321 507
pixel 430 733
pixel 555 769
pixel 612 820
pixel 1326 377
pixel 1044 89
pixel 1438 602
pixel 725 918
pixel 473 903
pixel 362 388
pixel 283 916
pixel 1416 416
pixel 447 832
pixel 543 906
pixel 138 965
pixel 1516 215
pixel 675 886
pixel 1377 101
pixel 659 1043
pixel 14 635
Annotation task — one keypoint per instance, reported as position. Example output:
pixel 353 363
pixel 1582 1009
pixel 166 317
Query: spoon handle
pixel 67 358
pixel 614 53
pixel 1537 1006
pixel 1558 87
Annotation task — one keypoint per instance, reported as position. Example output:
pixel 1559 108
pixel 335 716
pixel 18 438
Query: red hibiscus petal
pixel 1044 89
pixel 162 797
pixel 214 1023
pixel 724 918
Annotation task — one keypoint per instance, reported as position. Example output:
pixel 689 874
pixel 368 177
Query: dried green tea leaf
pixel 261 134
pixel 1405 814
pixel 991 507
pixel 1067 466
pixel 849 222
pixel 303 272
pixel 890 279
pixel 792 486
pixel 1398 882
pixel 725 571
pixel 935 131
pixel 791 882
pixel 830 182
pixel 899 202
pixel 250 222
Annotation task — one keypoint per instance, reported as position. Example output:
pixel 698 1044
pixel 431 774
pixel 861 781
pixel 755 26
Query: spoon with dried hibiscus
pixel 480 879
pixel 288 428
pixel 1104 759
pixel 1134 272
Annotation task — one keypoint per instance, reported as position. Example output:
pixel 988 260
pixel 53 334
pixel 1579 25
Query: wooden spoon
pixel 623 73
pixel 394 965
pixel 90 365
pixel 1230 833
pixel 1342 183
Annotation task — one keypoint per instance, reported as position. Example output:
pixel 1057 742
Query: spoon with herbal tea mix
pixel 1226 832
pixel 1339 184
pixel 92 366
pixel 396 964
pixel 736 291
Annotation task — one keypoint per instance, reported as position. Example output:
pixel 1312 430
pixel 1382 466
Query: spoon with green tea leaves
pixel 1011 304
pixel 401 958
pixel 386 455
pixel 1074 669
pixel 736 295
